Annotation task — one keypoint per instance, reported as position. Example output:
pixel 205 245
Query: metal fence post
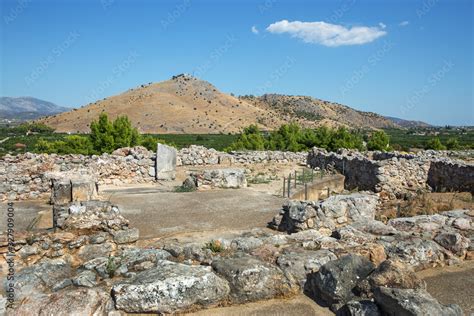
pixel 306 191
pixel 289 184
pixel 303 181
pixel 329 192
pixel 284 182
pixel 295 178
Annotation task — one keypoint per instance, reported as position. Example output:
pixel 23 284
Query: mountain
pixel 27 108
pixel 408 123
pixel 187 105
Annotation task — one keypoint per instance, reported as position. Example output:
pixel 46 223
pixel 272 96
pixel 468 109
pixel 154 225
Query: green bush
pixel 106 136
pixel 73 144
pixel 379 140
pixel 435 144
pixel 452 144
pixel 250 139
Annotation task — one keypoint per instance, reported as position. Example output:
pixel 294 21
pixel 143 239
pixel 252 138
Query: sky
pixel 408 59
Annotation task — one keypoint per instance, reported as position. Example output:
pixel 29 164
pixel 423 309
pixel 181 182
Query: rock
pixel 334 281
pixel 89 252
pixel 395 274
pixel 84 189
pixel 165 162
pixel 169 288
pixel 251 279
pixel 395 301
pixel 85 279
pixel 355 207
pixel 190 184
pixel 418 223
pixel 71 301
pixel 126 236
pixel 298 264
pixel 359 308
pixel 228 178
pixel 454 242
pixel 61 191
pixel 40 277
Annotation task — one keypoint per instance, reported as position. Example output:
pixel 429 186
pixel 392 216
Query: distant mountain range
pixel 27 108
pixel 408 123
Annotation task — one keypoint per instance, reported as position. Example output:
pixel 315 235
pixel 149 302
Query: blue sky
pixel 410 59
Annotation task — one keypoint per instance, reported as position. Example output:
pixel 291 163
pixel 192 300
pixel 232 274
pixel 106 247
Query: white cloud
pixel 254 30
pixel 404 23
pixel 327 34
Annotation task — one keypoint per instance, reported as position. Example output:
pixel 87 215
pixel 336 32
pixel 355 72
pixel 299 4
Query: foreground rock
pixel 170 287
pixel 251 279
pixel 395 301
pixel 219 178
pixel 333 212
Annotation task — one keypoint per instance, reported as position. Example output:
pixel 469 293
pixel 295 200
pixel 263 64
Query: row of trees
pixel 292 137
pixel 105 136
pixel 436 144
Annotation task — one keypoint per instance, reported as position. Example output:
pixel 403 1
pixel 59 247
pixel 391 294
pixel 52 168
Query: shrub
pixel 452 144
pixel 215 246
pixel 435 144
pixel 250 139
pixel 107 136
pixel 379 140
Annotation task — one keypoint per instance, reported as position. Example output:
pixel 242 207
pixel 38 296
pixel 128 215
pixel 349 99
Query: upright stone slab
pixel 84 189
pixel 165 162
pixel 61 192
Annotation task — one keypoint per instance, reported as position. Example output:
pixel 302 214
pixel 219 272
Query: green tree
pixel 124 134
pixel 102 134
pixel 452 144
pixel 435 143
pixel 251 139
pixel 379 140
pixel 342 138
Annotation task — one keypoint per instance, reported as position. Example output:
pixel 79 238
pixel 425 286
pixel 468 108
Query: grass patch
pixel 215 246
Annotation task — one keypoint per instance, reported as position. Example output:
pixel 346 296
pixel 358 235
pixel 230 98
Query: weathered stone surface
pixel 229 178
pixel 359 308
pixel 89 252
pixel 71 301
pixel 165 162
pixel 126 236
pixel 333 212
pixel 40 277
pixel 395 274
pixel 298 264
pixel 85 279
pixel 394 301
pixel 61 191
pixel 334 281
pixel 83 189
pixel 170 287
pixel 251 279
pixel 454 242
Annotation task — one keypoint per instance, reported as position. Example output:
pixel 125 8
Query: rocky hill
pixel 27 108
pixel 185 104
pixel 408 123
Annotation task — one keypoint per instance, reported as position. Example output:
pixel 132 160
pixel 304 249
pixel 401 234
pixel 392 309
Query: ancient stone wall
pixel 446 175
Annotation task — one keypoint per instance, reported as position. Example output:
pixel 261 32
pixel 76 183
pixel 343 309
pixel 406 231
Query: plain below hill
pixel 187 105
pixel 27 108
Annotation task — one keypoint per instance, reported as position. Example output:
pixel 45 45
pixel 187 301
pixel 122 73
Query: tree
pixel 107 136
pixel 452 144
pixel 379 140
pixel 435 143
pixel 102 134
pixel 251 139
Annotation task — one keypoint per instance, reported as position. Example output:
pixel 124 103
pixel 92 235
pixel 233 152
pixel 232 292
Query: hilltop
pixel 187 105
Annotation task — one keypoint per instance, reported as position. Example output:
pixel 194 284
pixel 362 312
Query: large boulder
pixel 170 287
pixel 228 178
pixel 251 279
pixel 335 280
pixel 395 274
pixel 410 302
pixel 359 308
pixel 454 242
pixel 356 206
pixel 298 264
